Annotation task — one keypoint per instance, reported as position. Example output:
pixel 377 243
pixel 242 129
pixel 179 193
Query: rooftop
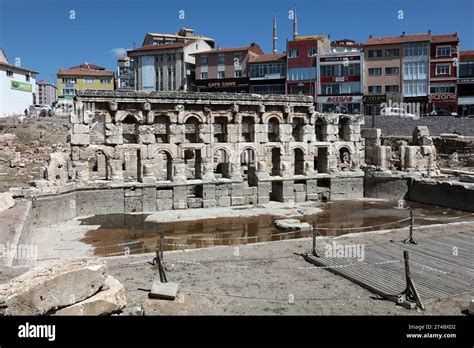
pixel 268 58
pixel 162 47
pixel 407 38
pixel 85 69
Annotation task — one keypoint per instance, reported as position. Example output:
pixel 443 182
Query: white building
pixel 17 88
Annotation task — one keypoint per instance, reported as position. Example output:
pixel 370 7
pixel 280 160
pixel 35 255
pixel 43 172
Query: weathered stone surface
pixel 6 201
pixel 80 139
pixel 53 285
pixel 165 291
pixel 293 225
pixel 107 301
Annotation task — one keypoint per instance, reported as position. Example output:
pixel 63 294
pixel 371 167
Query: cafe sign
pixel 21 86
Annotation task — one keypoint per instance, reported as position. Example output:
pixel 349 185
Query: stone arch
pixel 130 129
pixel 299 161
pixel 221 162
pixel 248 161
pixel 197 115
pixel 121 115
pixel 163 165
pixel 266 117
pixel 344 158
pixel 273 129
pixel 191 132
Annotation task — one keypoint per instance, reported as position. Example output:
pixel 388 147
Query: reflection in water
pixel 340 217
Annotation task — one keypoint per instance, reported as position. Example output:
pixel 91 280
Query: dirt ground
pixel 267 279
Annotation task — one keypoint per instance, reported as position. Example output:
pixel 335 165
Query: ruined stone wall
pixel 190 150
pixel 437 125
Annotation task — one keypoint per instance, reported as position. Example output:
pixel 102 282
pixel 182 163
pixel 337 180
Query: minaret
pixel 295 26
pixel 275 38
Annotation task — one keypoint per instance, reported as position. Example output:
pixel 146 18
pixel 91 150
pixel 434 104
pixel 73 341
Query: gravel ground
pixel 268 279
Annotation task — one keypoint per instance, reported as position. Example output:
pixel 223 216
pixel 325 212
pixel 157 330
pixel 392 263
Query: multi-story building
pixel 267 73
pixel 84 76
pixel 183 35
pixel 125 74
pixel 47 93
pixel 302 63
pixel 16 87
pixel 225 69
pixel 382 72
pixel 166 62
pixel 466 83
pixel 415 63
pixel 340 83
pixel 443 74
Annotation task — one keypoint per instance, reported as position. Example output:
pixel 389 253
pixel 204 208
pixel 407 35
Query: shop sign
pixel 340 99
pixel 465 81
pixel 339 59
pixel 375 99
pixel 21 86
pixel 444 97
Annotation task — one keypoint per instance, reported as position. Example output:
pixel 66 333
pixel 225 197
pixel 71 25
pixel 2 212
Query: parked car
pixel 398 112
pixel 443 113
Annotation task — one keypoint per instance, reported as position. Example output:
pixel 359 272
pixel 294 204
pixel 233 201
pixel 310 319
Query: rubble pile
pixel 71 287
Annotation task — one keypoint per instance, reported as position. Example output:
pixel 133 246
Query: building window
pixel 69 80
pixel 415 50
pixel 392 71
pixel 375 89
pixel 221 59
pixel 415 71
pixel 438 89
pixel 443 69
pixel 27 77
pixel 466 69
pixel 9 73
pixel 375 53
pixel 221 74
pixel 301 74
pixel 89 80
pixel 204 76
pixel 238 73
pixel 293 53
pixel 392 52
pixel 391 89
pixel 311 52
pixel 104 81
pixel 203 60
pixel 443 51
pixel 68 91
pixel 375 71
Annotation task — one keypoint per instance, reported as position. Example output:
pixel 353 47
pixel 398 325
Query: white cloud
pixel 120 51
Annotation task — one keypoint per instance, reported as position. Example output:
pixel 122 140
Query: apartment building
pixel 465 83
pixel 302 54
pixel 267 73
pixel 443 98
pixel 382 72
pixel 84 76
pixel 340 82
pixel 225 69
pixel 47 93
pixel 16 87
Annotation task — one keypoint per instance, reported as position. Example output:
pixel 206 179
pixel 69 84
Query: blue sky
pixel 42 35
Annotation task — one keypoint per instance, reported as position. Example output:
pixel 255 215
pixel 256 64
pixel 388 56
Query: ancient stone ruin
pixel 191 150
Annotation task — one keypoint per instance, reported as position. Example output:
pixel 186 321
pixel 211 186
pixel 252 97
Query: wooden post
pixel 162 237
pixel 412 224
pixel 407 268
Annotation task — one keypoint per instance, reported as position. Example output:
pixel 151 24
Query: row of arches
pixel 221 161
pixel 162 129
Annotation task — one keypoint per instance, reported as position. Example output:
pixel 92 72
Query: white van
pixel 398 112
